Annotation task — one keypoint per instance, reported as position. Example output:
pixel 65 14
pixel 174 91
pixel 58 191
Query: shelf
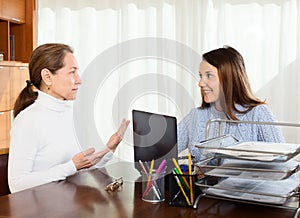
pixel 17 29
pixel 17 41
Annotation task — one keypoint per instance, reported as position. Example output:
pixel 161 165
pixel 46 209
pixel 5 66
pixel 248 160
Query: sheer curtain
pixel 145 54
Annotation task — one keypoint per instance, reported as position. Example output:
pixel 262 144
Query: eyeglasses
pixel 114 185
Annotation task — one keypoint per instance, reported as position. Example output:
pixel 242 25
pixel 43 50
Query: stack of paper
pixel 273 192
pixel 254 169
pixel 261 151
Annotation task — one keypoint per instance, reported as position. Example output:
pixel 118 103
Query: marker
pixel 181 188
pixel 187 188
pixel 161 167
pixel 179 170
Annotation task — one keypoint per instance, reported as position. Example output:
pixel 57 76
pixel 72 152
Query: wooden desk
pixel 83 195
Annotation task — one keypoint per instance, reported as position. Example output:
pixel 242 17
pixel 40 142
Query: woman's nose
pixel 78 79
pixel 201 83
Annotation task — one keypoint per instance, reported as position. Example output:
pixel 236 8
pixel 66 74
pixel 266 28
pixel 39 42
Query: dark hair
pixel 50 56
pixel 233 80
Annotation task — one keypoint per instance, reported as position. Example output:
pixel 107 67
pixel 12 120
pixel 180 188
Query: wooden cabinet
pixel 5 124
pixel 4 89
pixel 17 41
pixel 18 76
pixel 13 10
pixel 17 27
pixel 13 76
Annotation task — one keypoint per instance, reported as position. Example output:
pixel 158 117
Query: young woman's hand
pixel 88 158
pixel 117 137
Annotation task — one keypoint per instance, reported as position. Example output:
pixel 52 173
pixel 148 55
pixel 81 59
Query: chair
pixel 4 189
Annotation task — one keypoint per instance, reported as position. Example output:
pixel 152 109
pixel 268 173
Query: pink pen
pixel 158 171
pixel 161 166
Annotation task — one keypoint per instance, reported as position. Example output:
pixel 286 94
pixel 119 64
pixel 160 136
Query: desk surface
pixel 83 195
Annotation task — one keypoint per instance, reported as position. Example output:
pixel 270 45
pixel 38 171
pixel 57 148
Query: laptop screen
pixel 154 137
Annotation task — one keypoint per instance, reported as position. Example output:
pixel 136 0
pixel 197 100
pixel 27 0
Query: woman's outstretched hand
pixel 88 158
pixel 117 137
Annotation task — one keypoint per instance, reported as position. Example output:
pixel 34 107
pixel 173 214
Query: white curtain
pixel 144 54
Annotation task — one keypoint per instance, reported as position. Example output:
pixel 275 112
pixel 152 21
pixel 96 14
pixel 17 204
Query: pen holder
pixel 153 187
pixel 180 188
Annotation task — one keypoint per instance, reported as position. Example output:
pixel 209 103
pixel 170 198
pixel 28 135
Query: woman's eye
pixel 209 75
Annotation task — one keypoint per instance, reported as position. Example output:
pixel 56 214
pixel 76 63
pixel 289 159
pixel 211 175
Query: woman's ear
pixel 46 77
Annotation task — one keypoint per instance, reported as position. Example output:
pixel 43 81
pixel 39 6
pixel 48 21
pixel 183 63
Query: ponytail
pixel 25 98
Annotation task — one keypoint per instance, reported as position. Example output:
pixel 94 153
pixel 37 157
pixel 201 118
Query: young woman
pixel 43 146
pixel 226 94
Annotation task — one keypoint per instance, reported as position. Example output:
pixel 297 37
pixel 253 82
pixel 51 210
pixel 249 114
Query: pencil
pixel 151 166
pixel 155 188
pixel 187 188
pixel 179 170
pixel 150 172
pixel 181 188
pixel 149 178
pixel 191 179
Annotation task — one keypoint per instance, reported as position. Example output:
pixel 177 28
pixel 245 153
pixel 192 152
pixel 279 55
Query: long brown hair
pixel 50 56
pixel 233 81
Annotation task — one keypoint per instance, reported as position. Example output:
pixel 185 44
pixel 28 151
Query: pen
pixel 143 167
pixel 158 171
pixel 150 172
pixel 149 183
pixel 181 188
pixel 147 165
pixel 151 166
pixel 155 188
pixel 191 179
pixel 184 168
pixel 187 188
pixel 155 184
pixel 161 166
pixel 175 196
pixel 179 170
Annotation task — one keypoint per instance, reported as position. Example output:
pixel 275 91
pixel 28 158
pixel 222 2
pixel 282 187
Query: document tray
pixel 271 192
pixel 259 151
pixel 251 169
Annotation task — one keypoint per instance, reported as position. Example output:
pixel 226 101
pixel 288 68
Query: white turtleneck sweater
pixel 43 143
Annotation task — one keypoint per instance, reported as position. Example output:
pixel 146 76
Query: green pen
pixel 181 179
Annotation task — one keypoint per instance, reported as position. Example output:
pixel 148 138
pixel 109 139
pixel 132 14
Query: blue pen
pixel 184 168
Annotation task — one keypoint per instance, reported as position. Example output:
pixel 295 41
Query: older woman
pixel 43 146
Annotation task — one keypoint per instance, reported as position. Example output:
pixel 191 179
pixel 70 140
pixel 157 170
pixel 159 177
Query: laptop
pixel 154 138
